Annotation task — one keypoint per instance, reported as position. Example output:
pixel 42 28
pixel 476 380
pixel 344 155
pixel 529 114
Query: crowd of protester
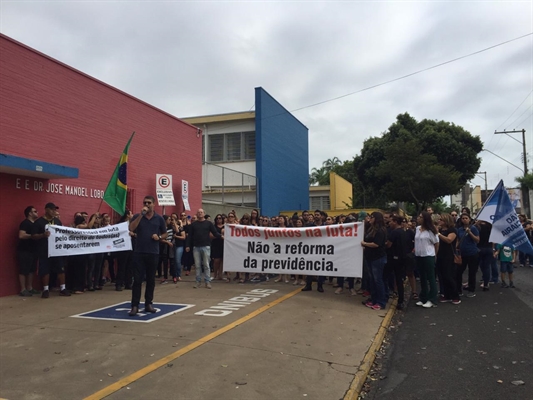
pixel 435 250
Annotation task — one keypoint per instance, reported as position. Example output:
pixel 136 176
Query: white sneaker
pixel 429 304
pixel 419 303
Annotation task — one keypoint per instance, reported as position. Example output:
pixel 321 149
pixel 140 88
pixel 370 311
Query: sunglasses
pixel 147 202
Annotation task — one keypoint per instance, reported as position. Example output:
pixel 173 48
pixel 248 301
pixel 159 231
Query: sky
pixel 193 58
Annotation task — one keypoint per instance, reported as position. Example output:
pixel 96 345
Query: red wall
pixel 51 112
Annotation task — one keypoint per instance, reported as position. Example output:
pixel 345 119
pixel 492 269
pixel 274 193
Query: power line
pixel 529 116
pixel 520 116
pixel 494 154
pixel 529 94
pixel 391 81
pixel 492 136
pixel 413 73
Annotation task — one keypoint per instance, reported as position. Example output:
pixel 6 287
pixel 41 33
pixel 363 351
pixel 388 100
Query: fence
pixel 228 186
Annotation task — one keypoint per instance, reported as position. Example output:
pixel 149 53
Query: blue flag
pixel 506 227
pixel 489 208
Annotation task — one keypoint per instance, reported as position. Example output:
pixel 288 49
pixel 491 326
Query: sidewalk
pixel 306 344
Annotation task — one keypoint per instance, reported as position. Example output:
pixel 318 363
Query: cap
pixel 51 206
pixel 362 215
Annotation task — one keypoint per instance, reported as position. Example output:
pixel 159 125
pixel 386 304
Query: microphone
pixel 143 212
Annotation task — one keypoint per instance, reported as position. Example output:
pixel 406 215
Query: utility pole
pixel 486 188
pixel 525 192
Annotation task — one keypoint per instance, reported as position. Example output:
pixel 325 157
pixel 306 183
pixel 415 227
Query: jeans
pixel 447 270
pixel 494 270
pixel 90 271
pixel 522 257
pixel 202 256
pixel 351 282
pixel 485 259
pixel 365 281
pixel 77 269
pixel 143 264
pixel 426 267
pixel 97 271
pixel 162 266
pixel 377 285
pixel 472 262
pixel 124 273
pixel 388 277
pixel 398 266
pixel 177 262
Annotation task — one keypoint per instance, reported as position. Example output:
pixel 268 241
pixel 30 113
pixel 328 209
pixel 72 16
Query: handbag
pixel 457 259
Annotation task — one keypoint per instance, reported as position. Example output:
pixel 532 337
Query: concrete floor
pixel 307 346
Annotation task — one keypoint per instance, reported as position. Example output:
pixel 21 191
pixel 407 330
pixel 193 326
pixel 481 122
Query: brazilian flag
pixel 117 188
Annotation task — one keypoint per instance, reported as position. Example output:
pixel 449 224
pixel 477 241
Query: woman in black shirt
pixel 446 268
pixel 376 257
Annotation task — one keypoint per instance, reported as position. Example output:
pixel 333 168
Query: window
pixel 249 145
pixel 216 148
pixel 235 146
pixel 319 203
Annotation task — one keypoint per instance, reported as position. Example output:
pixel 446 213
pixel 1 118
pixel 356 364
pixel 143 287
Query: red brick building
pixel 61 135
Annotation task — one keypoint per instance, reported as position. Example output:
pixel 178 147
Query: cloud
pixel 197 58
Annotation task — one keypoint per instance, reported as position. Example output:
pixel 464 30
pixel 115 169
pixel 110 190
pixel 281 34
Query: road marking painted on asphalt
pixel 115 387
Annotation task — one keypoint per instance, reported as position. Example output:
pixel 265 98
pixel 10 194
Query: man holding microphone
pixel 150 228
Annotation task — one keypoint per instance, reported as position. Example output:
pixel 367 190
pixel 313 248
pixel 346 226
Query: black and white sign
pixel 163 190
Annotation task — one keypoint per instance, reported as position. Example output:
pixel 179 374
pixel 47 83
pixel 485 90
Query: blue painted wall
pixel 282 157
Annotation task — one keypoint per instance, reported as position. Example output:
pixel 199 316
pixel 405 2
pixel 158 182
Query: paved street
pixel 471 351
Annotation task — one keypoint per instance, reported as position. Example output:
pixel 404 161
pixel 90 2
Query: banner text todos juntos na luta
pixel 329 250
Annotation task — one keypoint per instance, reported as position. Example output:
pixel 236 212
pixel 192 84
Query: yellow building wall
pixel 340 192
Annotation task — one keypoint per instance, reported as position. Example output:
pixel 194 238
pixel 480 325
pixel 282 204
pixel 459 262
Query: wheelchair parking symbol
pixel 119 312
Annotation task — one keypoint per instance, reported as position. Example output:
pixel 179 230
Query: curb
pixel 364 369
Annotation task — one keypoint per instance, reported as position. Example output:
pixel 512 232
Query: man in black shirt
pixel 200 242
pixel 318 221
pixel 40 233
pixel 26 254
pixel 398 247
pixel 150 228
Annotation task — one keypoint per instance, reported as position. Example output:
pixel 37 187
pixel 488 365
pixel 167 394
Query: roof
pixel 206 119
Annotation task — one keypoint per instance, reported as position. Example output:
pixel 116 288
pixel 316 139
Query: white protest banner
pixel 330 250
pixel 65 241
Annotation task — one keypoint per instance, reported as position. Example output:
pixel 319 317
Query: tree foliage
pixel 526 180
pixel 320 176
pixel 418 162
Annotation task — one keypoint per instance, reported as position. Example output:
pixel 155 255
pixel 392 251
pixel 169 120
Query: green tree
pixel 418 162
pixel 526 180
pixel 320 176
